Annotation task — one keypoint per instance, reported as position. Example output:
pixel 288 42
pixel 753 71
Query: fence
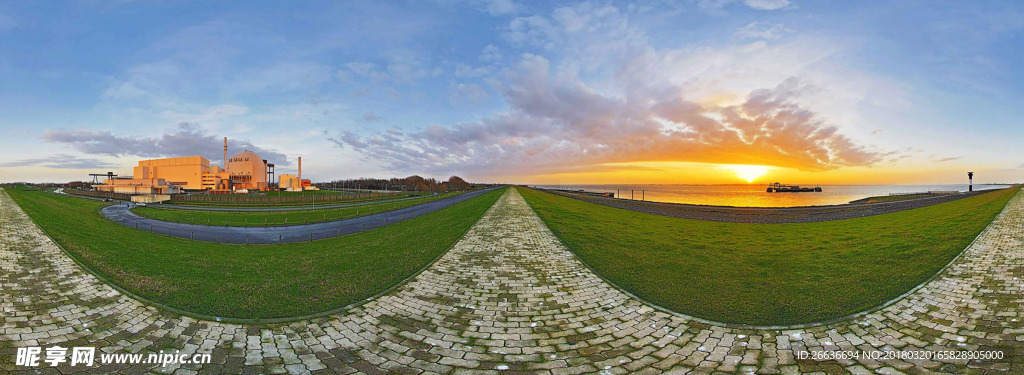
pixel 277 199
pixel 98 194
pixel 930 192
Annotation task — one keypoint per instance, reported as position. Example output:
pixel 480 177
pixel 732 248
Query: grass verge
pixel 255 282
pixel 270 218
pixel 274 199
pixel 767 274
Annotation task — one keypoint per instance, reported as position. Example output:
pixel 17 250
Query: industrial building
pixel 247 171
pixel 291 182
pixel 243 172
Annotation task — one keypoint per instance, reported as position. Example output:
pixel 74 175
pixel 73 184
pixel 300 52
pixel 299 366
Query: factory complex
pixel 244 172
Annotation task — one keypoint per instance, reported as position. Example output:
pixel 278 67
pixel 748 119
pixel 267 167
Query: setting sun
pixel 748 172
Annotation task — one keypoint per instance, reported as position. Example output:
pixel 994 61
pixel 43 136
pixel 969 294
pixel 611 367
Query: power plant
pixel 243 172
pixel 295 183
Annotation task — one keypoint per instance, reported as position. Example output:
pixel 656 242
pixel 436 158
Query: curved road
pixel 283 208
pixel 766 215
pixel 278 234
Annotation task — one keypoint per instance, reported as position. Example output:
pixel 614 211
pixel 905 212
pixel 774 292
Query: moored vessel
pixel 780 188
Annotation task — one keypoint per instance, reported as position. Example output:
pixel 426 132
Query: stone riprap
pixel 509 297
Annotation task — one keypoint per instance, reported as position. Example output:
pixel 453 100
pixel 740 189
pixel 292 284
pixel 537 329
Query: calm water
pixel 754 195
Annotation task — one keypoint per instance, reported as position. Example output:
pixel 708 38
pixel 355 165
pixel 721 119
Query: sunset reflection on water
pixel 754 195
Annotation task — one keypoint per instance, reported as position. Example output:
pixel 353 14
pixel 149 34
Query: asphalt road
pixel 278 234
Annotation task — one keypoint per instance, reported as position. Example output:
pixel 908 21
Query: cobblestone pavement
pixel 510 298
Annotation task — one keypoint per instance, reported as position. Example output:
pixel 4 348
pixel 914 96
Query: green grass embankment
pixel 259 281
pixel 269 218
pixel 767 274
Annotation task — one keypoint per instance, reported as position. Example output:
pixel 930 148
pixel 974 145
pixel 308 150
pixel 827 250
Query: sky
pixel 546 92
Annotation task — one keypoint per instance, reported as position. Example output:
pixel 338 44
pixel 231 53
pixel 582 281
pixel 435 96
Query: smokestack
pixel 300 171
pixel 225 153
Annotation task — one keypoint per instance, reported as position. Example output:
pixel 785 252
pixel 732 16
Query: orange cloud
pixel 557 126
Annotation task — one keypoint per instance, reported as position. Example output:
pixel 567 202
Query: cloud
pixel 554 127
pixel 894 157
pixel 349 138
pixel 762 30
pixel 741 105
pixel 466 71
pixel 407 71
pixel 490 53
pixel 187 140
pixel 61 161
pixel 400 67
pixel 716 6
pixel 366 69
pixel 766 4
pixel 492 7
pixel 501 7
pixel 124 90
pixel 212 117
pixel 943 160
pixel 532 30
pixel 876 131
pixel 284 76
pixel 370 117
pixel 470 93
pixel 585 29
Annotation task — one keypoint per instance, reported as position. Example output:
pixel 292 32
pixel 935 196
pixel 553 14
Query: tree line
pixel 411 183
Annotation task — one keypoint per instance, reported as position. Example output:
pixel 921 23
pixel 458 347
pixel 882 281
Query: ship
pixel 780 188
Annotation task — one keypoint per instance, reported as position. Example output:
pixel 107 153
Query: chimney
pixel 300 171
pixel 225 153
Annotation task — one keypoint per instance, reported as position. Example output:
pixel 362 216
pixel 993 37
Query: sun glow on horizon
pixel 671 172
pixel 748 173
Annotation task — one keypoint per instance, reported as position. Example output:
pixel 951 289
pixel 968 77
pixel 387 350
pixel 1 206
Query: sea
pixel 754 195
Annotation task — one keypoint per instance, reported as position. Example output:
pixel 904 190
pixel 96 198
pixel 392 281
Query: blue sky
pixel 506 90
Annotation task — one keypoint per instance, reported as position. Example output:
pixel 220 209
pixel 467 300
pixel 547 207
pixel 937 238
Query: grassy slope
pixel 767 274
pixel 894 198
pixel 332 198
pixel 262 281
pixel 297 216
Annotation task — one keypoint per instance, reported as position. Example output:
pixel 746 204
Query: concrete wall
pixel 150 198
pixel 186 172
